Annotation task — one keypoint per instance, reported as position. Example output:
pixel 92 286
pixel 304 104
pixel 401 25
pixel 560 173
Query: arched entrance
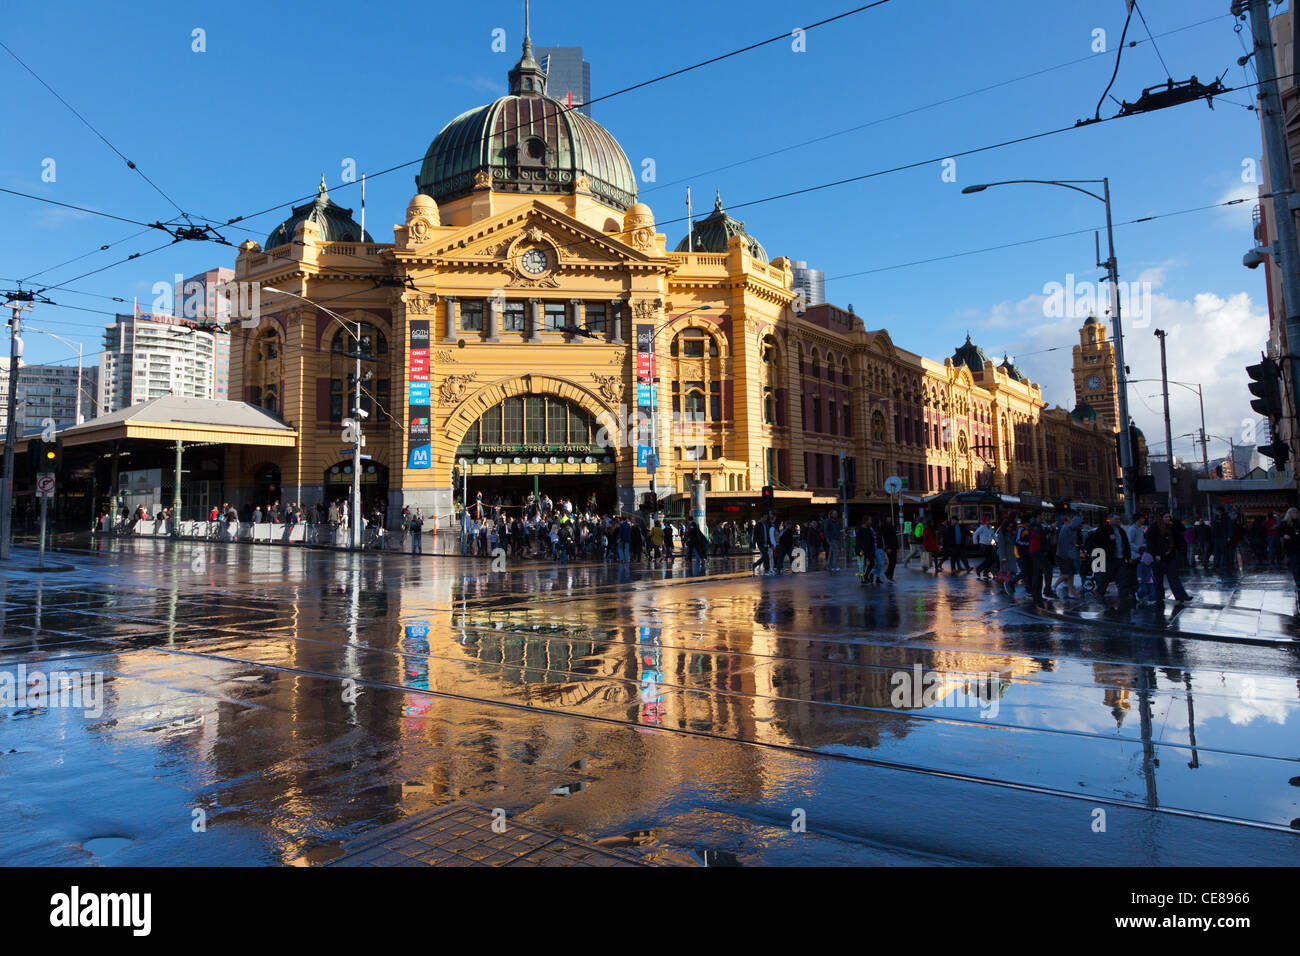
pixel 374 483
pixel 542 443
pixel 266 479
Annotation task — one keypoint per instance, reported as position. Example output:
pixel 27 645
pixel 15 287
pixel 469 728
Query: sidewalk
pixel 1254 608
pixel 462 834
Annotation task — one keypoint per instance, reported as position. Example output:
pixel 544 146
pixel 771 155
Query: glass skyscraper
pixel 567 75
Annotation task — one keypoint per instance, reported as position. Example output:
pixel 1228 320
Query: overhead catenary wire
pixel 91 127
pixel 795 192
pixel 1154 45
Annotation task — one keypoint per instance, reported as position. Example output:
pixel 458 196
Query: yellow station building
pixel 529 326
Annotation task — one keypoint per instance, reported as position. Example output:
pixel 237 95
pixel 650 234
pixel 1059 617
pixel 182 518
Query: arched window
pixel 769 407
pixel 271 399
pixel 268 345
pixel 694 343
pixel 844 372
pixel 373 342
pixel 694 408
pixel 816 364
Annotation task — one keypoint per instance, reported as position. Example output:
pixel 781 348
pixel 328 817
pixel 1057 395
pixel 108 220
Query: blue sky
pixel 285 92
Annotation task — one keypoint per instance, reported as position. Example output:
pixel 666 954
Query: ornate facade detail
pixel 646 310
pixel 619 357
pixel 527 282
pixel 482 180
pixel 496 248
pixel 421 303
pixel 444 355
pixel 452 388
pixel 611 387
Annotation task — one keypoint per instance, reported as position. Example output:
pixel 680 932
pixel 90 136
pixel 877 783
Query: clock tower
pixel 1094 373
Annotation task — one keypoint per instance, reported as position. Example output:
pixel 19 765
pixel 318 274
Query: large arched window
pixel 532 424
pixel 267 346
pixel 693 343
pixel 373 342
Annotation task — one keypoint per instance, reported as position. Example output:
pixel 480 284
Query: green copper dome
pixel 713 233
pixel 1012 370
pixel 527 143
pixel 970 355
pixel 1083 412
pixel 335 222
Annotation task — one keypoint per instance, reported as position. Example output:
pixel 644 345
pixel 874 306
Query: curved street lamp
pixel 354 527
pixel 1112 270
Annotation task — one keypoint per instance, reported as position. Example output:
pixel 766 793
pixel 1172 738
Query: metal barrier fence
pixel 313 535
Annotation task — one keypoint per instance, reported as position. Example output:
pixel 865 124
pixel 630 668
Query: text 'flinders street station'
pixel 528 324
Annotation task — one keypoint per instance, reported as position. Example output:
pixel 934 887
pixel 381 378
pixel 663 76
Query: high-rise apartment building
pixel 49 391
pixel 811 282
pixel 197 299
pixel 147 356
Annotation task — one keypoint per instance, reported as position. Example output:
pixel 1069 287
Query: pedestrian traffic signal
pixel 1266 385
pixel 1279 451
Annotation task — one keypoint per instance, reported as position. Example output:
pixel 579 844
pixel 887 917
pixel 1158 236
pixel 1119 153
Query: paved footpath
pixel 277 706
pixel 467 835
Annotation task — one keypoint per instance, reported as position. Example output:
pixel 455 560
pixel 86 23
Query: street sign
pixel 893 485
pixel 347 453
pixel 45 485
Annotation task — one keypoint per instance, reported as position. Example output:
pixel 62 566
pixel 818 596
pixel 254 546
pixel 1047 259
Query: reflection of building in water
pixel 1117 682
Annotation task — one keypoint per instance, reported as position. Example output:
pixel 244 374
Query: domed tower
pixel 970 355
pixel 527 142
pixel 1094 373
pixel 712 233
pixel 333 223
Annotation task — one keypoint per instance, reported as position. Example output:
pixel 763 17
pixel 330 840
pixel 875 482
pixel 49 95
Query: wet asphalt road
pixel 269 705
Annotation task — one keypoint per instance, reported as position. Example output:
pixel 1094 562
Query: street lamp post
pixel 1112 271
pixel 654 379
pixel 1200 397
pixel 354 524
pixel 78 417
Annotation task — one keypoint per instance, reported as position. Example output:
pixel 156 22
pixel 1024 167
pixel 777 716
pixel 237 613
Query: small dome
pixel 1012 370
pixel 712 234
pixel 970 355
pixel 422 207
pixel 1092 320
pixel 335 222
pixel 1083 412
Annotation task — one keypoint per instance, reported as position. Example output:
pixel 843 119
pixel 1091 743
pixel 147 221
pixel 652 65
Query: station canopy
pixel 190 420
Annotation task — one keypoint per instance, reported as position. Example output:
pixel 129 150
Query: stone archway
pixel 457 423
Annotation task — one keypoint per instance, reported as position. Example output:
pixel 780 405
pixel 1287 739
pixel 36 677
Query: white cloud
pixel 1211 339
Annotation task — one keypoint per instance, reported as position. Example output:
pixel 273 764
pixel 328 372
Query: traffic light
pixel 45 456
pixel 650 502
pixel 767 498
pixel 1266 385
pixel 1279 451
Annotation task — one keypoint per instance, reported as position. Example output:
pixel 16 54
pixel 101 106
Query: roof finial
pixel 322 192
pixel 528 40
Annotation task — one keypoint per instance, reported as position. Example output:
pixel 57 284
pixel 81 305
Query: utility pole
pixel 11 426
pixel 1272 120
pixel 1129 479
pixel 355 526
pixel 1169 440
pixel 176 492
